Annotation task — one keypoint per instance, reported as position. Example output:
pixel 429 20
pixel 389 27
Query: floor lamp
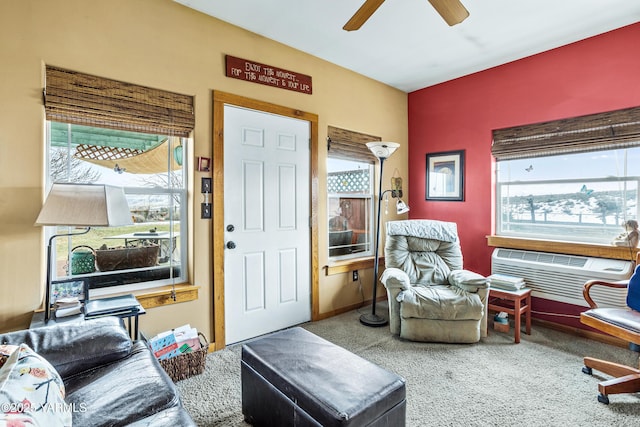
pixel 382 150
pixel 80 205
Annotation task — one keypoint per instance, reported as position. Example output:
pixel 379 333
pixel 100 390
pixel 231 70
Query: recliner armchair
pixel 431 297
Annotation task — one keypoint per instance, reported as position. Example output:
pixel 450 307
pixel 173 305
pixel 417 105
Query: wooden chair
pixel 623 323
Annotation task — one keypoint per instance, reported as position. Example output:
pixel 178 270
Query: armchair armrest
pixel 75 346
pixel 468 280
pixel 395 281
pixel 586 289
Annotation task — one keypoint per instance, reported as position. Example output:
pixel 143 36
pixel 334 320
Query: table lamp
pixel 80 205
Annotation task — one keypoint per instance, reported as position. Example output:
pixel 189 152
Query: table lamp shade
pixel 85 205
pixel 80 205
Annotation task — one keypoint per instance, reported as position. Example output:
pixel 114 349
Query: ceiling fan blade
pixel 361 16
pixel 452 11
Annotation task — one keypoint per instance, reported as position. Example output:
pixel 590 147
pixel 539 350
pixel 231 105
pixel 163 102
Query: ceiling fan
pixel 452 11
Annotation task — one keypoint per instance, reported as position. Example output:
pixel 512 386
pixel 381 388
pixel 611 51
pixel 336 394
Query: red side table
pixel 515 303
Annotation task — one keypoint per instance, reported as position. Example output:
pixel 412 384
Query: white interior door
pixel 266 213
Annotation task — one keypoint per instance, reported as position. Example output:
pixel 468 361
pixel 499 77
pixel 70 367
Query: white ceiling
pixel 407 45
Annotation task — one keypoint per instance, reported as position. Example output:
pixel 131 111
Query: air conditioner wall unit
pixel 559 277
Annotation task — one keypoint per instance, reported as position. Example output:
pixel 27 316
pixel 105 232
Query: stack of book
pixel 68 306
pixel 509 283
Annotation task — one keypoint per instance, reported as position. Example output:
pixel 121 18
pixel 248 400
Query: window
pixel 110 132
pixel 350 208
pixel 153 250
pixel 583 197
pixel 350 174
pixel 574 179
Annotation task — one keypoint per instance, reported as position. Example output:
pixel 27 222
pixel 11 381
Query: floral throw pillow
pixel 31 392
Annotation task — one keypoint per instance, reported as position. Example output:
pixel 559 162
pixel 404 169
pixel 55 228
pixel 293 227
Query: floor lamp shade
pixel 382 150
pixel 80 205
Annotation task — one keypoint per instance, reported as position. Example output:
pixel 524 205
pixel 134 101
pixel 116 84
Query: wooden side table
pixel 515 303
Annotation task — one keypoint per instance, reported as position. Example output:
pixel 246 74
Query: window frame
pixel 343 144
pixel 169 191
pixel 370 205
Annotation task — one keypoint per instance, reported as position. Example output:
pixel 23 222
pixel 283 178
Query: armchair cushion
pixel 440 302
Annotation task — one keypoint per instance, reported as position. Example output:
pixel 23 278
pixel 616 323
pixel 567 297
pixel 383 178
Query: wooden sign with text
pixel 256 72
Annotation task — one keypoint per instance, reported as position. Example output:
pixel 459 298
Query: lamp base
pixel 373 320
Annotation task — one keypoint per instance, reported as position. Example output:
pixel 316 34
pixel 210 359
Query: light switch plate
pixel 206 210
pixel 206 185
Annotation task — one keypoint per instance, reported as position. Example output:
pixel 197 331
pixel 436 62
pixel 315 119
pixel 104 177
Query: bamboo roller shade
pixel 601 131
pixel 350 145
pixel 77 98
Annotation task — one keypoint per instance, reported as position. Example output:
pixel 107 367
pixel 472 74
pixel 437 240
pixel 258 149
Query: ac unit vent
pixel 560 277
pixel 543 257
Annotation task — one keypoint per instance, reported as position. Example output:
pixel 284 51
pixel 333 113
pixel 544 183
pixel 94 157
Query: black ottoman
pixel 295 378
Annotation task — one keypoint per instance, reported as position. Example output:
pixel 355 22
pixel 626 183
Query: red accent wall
pixel 598 74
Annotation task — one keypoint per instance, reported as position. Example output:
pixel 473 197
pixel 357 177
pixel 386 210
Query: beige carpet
pixel 492 383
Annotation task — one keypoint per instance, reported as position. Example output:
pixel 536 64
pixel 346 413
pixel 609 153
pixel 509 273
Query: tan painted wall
pixel 162 44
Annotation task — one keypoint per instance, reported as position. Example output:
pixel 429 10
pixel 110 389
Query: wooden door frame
pixel 220 99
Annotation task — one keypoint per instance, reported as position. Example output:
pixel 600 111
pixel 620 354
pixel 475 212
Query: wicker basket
pixel 129 257
pixel 187 364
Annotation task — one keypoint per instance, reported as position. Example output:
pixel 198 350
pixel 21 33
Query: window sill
pixel 568 248
pixel 352 264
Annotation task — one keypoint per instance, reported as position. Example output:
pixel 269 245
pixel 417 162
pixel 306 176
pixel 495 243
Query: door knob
pixel 231 245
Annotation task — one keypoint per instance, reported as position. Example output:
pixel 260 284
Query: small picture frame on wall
pixel 445 176
pixel 204 164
